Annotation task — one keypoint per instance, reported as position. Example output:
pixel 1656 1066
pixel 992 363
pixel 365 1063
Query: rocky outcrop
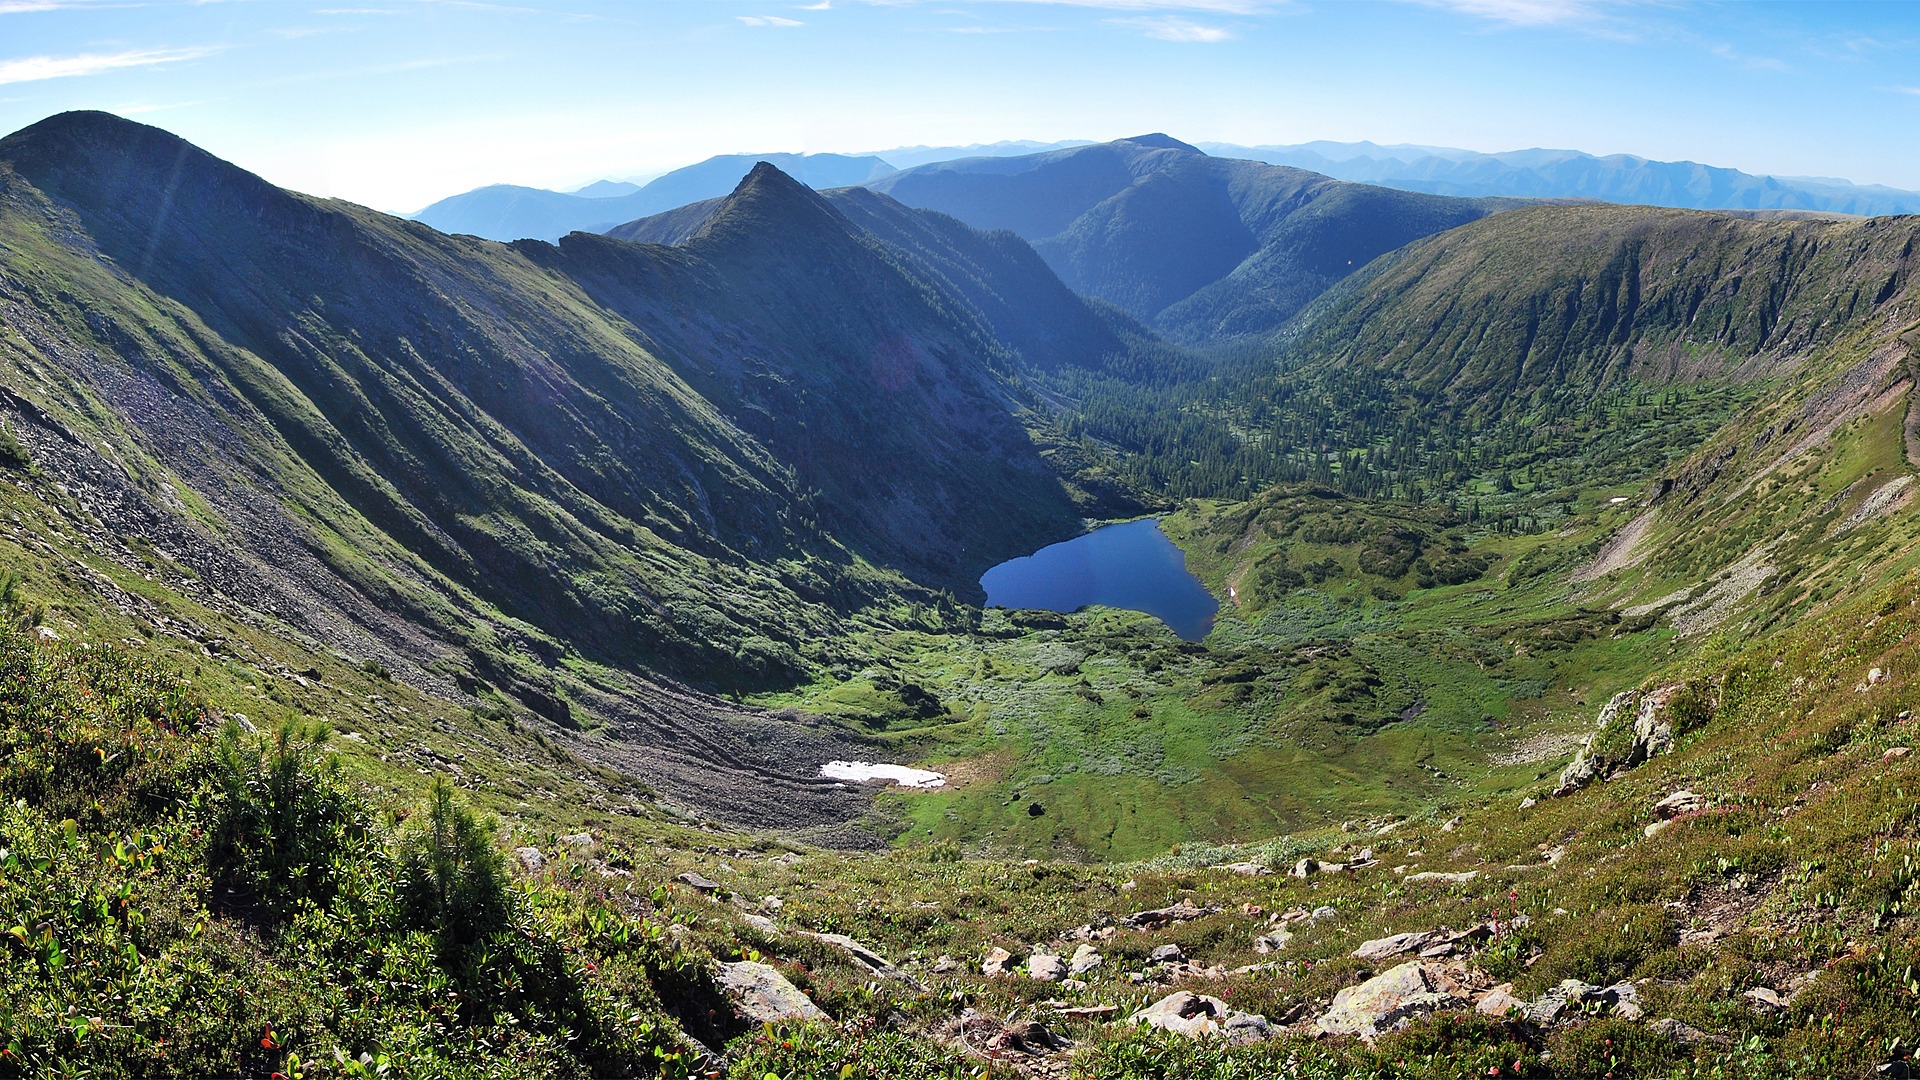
pixel 1612 747
pixel 761 995
pixel 1386 1002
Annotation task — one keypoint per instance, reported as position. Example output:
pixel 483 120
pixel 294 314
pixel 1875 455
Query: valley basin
pixel 1132 565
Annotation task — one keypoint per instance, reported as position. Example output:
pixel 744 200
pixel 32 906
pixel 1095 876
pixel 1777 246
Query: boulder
pixel 1683 1033
pixel 1448 879
pixel 578 841
pixel 1167 916
pixel 529 859
pixel 1385 1002
pixel 1322 914
pixel 1381 948
pixel 1894 752
pixel 1499 1002
pixel 1306 868
pixel 1274 942
pixel 946 965
pixel 694 880
pixel 1651 735
pixel 1681 802
pixel 1766 999
pixel 1247 869
pixel 1046 967
pixel 1085 959
pixel 1573 996
pixel 1166 954
pixel 865 957
pixel 761 995
pixel 1656 828
pixel 1245 1027
pixel 1186 1013
pixel 761 923
pixel 998 962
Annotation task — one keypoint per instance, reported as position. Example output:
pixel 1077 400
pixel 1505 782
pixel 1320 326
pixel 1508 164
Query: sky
pixel 397 104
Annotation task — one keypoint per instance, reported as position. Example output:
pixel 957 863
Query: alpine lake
pixel 1131 565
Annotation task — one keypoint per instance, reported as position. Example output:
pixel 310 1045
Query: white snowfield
pixel 863 771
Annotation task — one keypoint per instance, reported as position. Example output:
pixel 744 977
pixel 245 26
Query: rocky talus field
pixel 418 654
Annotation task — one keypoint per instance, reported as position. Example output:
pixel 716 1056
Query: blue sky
pixel 396 104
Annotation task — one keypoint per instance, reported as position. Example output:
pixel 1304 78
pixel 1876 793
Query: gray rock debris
pixel 1166 954
pixel 1573 996
pixel 1183 911
pixel 761 995
pixel 1194 1015
pixel 529 859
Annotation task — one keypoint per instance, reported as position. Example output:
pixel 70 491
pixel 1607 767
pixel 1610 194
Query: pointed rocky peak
pixel 769 205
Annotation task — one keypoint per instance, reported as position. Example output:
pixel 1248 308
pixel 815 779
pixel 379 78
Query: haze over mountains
pixel 507 212
pixel 1618 178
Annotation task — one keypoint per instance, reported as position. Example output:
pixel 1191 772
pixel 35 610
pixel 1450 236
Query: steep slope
pixel 1202 249
pixel 1538 301
pixel 507 212
pixel 1618 178
pixel 893 412
pixel 442 455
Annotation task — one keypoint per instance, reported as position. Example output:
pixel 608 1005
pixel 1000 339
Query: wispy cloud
pixel 33 68
pixel 14 7
pixel 137 108
pixel 1523 12
pixel 823 5
pixel 1747 60
pixel 1217 7
pixel 1175 28
pixel 1915 90
pixel 768 20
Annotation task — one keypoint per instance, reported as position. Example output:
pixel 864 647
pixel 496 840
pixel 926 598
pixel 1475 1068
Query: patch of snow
pixel 863 771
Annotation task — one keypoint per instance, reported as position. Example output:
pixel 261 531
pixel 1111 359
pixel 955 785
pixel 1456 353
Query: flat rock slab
pixel 694 880
pixel 764 996
pixel 1381 948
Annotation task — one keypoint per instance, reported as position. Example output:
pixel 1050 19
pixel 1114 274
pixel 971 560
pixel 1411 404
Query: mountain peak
pixel 1161 141
pixel 125 175
pixel 767 202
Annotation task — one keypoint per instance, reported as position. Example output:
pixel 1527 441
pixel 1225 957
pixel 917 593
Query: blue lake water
pixel 1132 566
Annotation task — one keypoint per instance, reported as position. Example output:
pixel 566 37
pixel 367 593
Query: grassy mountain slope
pixel 1203 249
pixel 442 455
pixel 892 411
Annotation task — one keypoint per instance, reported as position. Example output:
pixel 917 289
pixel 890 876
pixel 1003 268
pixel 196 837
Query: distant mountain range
pixel 1616 178
pixel 507 212
pixel 1202 249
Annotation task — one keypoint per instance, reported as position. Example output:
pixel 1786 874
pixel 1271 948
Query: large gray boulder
pixel 1386 1002
pixel 761 995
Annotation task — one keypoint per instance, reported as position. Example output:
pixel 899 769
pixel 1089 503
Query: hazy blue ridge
pixel 1537 173
pixel 507 212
